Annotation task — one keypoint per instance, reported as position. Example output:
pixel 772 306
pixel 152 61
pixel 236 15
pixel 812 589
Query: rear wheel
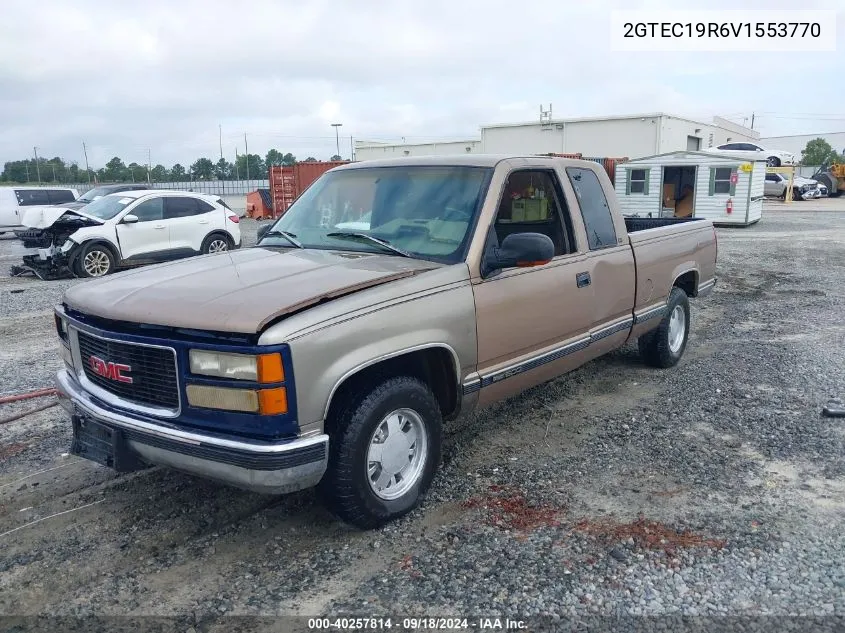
pixel 383 453
pixel 216 243
pixel 664 346
pixel 95 260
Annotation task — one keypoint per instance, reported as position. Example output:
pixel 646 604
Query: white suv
pixel 127 229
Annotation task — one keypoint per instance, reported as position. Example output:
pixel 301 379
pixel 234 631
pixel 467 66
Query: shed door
pixel 693 143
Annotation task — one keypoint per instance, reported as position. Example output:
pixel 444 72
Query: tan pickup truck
pixel 391 297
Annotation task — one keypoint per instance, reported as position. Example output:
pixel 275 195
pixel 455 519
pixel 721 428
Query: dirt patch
pixel 646 534
pixel 507 509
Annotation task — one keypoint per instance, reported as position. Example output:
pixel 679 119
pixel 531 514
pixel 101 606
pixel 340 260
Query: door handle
pixel 202 222
pixel 159 226
pixel 582 279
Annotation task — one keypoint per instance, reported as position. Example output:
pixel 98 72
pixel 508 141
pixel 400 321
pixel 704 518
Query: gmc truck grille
pixel 148 376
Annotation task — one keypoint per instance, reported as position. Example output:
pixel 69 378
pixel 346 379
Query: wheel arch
pixel 436 364
pixel 73 256
pixel 686 280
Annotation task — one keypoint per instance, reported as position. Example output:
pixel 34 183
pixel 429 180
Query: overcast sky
pixel 128 77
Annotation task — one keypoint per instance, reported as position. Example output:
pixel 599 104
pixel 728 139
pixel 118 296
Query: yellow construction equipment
pixel 832 177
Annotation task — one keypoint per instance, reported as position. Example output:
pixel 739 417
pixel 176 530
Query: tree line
pixel 56 169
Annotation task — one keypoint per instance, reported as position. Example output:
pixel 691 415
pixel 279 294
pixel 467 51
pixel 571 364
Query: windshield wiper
pixel 290 237
pixel 370 238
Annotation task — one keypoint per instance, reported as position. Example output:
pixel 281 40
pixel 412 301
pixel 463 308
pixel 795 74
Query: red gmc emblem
pixel 112 371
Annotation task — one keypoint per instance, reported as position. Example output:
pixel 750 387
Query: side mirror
pixel 130 219
pixel 262 230
pixel 519 250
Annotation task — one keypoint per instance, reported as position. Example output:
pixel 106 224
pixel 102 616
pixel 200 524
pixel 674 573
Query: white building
pixel 620 136
pixel 369 150
pixel 727 189
pixel 796 144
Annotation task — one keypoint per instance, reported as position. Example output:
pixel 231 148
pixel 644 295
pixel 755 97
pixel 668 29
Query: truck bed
pixel 643 224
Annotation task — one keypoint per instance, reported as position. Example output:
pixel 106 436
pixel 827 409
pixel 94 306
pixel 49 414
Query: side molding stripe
pixel 556 354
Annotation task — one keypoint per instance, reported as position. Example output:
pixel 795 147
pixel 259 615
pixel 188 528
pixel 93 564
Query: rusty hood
pixel 239 291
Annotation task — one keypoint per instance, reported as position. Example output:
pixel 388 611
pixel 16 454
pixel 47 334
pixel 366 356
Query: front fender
pixel 324 358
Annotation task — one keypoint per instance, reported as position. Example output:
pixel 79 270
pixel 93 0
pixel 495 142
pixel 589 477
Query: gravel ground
pixel 714 489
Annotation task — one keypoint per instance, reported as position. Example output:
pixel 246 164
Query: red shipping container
pixel 287 182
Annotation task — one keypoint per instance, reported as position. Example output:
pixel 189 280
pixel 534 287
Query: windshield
pixel 95 193
pixel 108 206
pixel 427 212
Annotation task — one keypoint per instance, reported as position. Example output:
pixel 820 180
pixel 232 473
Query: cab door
pixel 532 323
pixel 148 238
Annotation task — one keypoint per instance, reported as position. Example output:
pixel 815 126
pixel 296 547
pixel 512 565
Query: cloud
pixel 163 78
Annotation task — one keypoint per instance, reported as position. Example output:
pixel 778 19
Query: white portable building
pixel 726 188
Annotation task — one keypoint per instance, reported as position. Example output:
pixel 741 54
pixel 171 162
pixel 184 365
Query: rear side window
pixel 57 196
pixel 181 207
pixel 204 207
pixel 594 208
pixel 222 203
pixel 149 210
pixel 31 197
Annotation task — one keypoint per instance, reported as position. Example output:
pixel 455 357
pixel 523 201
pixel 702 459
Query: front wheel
pixel 95 260
pixel 664 346
pixel 383 453
pixel 773 161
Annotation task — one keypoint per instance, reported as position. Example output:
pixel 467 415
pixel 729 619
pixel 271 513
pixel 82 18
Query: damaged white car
pixel 125 229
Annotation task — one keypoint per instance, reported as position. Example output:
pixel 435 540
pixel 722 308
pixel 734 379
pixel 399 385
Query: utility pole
pixel 149 178
pixel 53 165
pixel 220 127
pixel 752 120
pixel 246 153
pixel 37 168
pixel 87 170
pixel 237 174
pixel 351 149
pixel 336 127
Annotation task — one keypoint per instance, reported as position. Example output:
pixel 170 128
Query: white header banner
pixel 767 31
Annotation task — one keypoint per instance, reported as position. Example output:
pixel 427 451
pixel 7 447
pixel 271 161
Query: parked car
pixel 98 192
pixel 127 229
pixel 802 188
pixel 774 157
pixel 14 201
pixel 333 357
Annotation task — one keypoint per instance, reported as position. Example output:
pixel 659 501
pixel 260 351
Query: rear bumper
pixel 272 468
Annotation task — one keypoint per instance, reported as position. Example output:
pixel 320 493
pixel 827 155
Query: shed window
pixel 721 181
pixel 637 181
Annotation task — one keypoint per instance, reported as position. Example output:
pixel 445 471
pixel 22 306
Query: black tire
pixel 655 347
pixel 345 488
pixel 211 242
pixel 94 251
pixel 796 194
pixel 773 161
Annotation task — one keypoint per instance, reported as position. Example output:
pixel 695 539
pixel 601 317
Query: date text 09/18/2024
pixel 416 624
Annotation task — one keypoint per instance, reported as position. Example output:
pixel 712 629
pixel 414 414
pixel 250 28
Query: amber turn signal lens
pixel 273 401
pixel 270 368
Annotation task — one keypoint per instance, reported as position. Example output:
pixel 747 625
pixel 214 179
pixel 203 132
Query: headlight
pixel 69 244
pixel 263 368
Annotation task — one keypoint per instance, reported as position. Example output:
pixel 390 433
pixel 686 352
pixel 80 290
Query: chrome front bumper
pixel 272 468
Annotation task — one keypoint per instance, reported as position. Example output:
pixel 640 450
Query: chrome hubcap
pixel 677 328
pixel 96 263
pixel 397 454
pixel 218 246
